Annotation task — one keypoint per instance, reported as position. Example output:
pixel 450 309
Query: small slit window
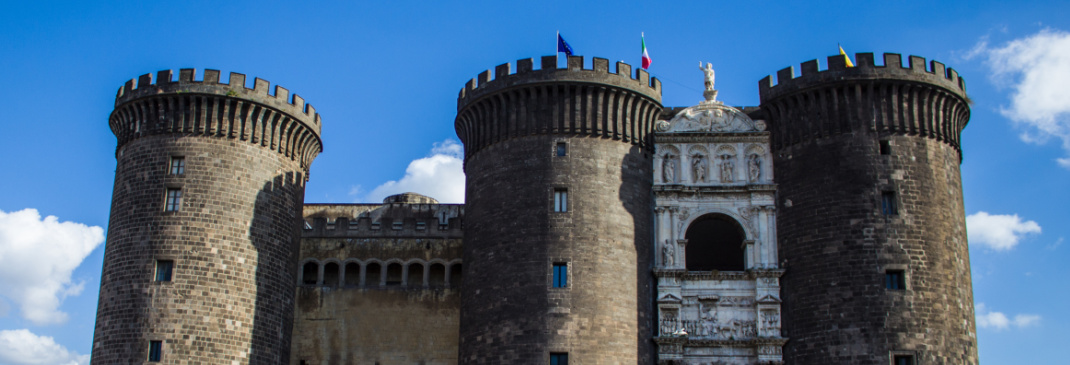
pixel 888 203
pixel 163 270
pixel 903 360
pixel 561 149
pixel 560 279
pixel 174 200
pixel 559 358
pixel 155 351
pixel 895 280
pixel 178 165
pixel 885 147
pixel 560 200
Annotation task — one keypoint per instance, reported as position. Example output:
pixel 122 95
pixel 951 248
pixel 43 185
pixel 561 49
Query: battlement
pixel 865 69
pixel 394 218
pixel 505 76
pixel 281 99
pixel 890 99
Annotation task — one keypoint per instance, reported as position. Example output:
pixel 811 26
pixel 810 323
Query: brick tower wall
pixel 234 238
pixel 510 127
pixel 834 239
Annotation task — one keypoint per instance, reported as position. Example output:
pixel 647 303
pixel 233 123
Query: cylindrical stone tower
pixel 871 224
pixel 557 242
pixel 200 261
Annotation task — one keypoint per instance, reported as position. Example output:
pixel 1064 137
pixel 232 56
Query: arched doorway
pixel 714 242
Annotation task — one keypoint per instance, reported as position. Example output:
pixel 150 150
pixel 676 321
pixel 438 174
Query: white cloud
pixel 22 347
pixel 999 232
pixel 999 321
pixel 1037 68
pixel 440 176
pixel 37 257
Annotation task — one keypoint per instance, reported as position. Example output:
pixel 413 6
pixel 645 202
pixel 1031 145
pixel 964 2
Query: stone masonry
pixel 599 227
pixel 233 236
pixel 837 238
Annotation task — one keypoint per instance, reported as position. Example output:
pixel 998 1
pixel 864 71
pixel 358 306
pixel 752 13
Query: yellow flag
pixel 848 59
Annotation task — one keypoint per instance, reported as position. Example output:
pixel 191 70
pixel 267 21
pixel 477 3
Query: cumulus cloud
pixel 22 347
pixel 1037 69
pixel 999 321
pixel 37 257
pixel 440 176
pixel 999 232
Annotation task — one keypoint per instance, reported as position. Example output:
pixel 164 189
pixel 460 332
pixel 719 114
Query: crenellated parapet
pixel 919 99
pixel 278 121
pixel 507 103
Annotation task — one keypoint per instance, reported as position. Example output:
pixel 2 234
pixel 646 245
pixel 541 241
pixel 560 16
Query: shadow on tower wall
pixel 637 196
pixel 275 233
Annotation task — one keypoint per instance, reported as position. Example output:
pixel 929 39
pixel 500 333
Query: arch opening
pixel 310 273
pixel 714 242
pixel 352 274
pixel 437 276
pixel 373 274
pixel 330 274
pixel 416 275
pixel 393 274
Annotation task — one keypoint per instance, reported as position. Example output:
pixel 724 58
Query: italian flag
pixel 646 57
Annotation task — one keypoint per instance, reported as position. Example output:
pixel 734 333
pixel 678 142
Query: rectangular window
pixel 559 359
pixel 396 226
pixel 886 148
pixel 174 200
pixel 178 165
pixel 421 226
pixel 560 200
pixel 562 149
pixel 163 270
pixel 560 275
pixel 903 360
pixel 155 351
pixel 895 280
pixel 888 205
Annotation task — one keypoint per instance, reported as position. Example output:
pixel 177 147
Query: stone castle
pixel 824 226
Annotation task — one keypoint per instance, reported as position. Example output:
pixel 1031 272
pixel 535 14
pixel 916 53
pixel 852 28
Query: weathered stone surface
pixel 511 127
pixel 835 242
pixel 233 239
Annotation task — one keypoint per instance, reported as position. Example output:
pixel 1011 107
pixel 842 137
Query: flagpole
pixel 557 52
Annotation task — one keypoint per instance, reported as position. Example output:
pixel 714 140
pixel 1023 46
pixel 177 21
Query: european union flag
pixel 563 46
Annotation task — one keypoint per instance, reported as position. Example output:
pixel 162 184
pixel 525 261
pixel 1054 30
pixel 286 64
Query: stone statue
pixel 727 169
pixel 709 323
pixel 669 253
pixel 668 169
pixel 699 168
pixel 708 70
pixel 755 167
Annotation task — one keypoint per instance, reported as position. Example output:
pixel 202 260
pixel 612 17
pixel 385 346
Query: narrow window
pixel 559 358
pixel 163 270
pixel 396 226
pixel 888 206
pixel 560 200
pixel 886 148
pixel 420 226
pixel 155 351
pixel 560 275
pixel 895 279
pixel 903 360
pixel 178 165
pixel 310 273
pixel 174 199
pixel 562 149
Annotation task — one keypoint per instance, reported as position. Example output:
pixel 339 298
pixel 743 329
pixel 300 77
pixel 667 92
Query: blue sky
pixel 385 75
